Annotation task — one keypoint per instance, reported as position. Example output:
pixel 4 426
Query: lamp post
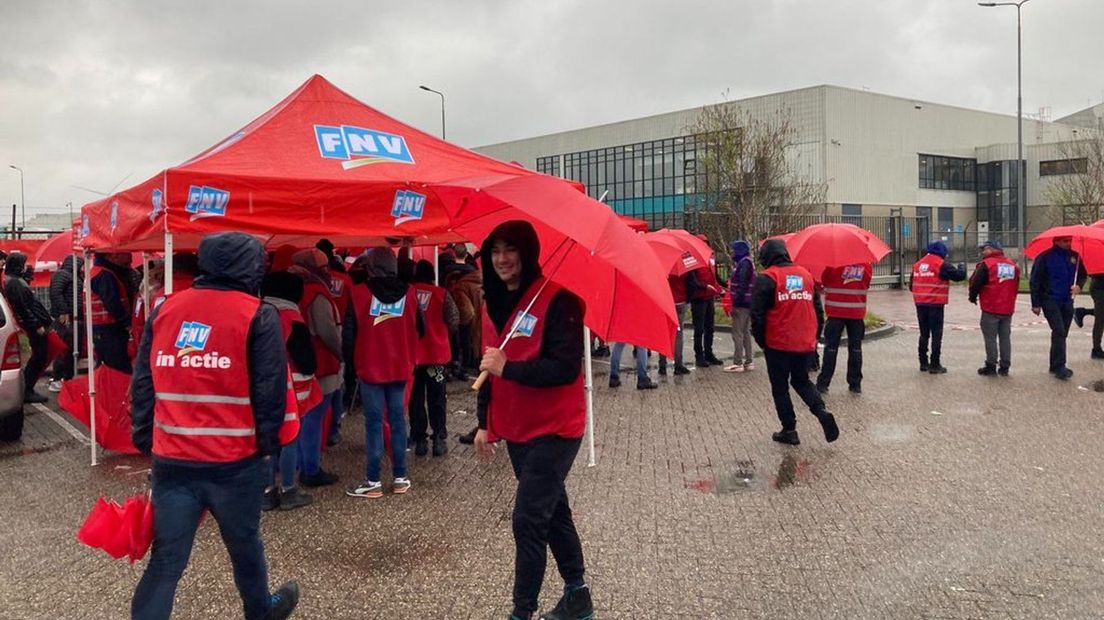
pixel 22 198
pixel 1021 188
pixel 442 95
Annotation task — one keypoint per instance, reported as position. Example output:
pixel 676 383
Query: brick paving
pixel 948 496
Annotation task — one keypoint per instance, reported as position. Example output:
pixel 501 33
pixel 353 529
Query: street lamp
pixel 426 88
pixel 1019 124
pixel 22 198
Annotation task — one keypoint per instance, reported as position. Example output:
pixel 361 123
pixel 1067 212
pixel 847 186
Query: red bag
pixel 121 531
pixel 726 302
pixel 55 346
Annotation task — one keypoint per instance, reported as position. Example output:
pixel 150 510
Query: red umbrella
pixel 121 531
pixel 678 250
pixel 55 249
pixel 634 223
pixel 1088 242
pixel 835 245
pixel 112 407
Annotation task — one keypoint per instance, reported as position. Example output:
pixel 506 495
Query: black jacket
pixel 61 288
pixel 772 254
pixel 29 311
pixel 107 289
pixel 229 261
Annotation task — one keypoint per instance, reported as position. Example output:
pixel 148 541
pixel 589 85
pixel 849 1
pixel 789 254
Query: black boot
pixel 1097 353
pixel 988 370
pixel 469 438
pixel 936 369
pixel 1079 316
pixel 574 605
pixel 787 437
pixel 828 423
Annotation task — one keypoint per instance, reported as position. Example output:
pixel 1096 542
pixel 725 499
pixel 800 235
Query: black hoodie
pixel 561 353
pixel 28 310
pixel 772 254
pixel 61 288
pixel 228 261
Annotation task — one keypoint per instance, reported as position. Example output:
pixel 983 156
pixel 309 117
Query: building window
pixel 923 226
pixel 997 190
pixel 852 214
pixel 1063 166
pixel 952 173
pixel 549 165
pixel 946 219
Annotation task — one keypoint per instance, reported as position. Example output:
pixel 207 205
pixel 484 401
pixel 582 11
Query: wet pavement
pixel 951 496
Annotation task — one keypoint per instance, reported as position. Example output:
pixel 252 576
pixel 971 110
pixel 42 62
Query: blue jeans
pixel 375 397
pixel 310 436
pixel 286 461
pixel 232 494
pixel 335 414
pixel 641 361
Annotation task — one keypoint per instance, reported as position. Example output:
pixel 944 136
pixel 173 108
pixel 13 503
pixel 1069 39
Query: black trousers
pixel 542 518
pixel 787 369
pixel 833 331
pixel 109 343
pixel 701 311
pixel 428 394
pixel 37 363
pixel 930 318
pixel 1058 316
pixel 1097 294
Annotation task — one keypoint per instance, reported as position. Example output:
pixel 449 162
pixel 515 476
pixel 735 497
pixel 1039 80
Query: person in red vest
pixel 110 313
pixel 994 286
pixel 383 324
pixel 534 401
pixel 845 290
pixel 702 289
pixel 284 291
pixel 341 286
pixel 208 400
pixel 319 310
pixel 433 354
pixel 784 312
pixel 931 286
pixel 678 291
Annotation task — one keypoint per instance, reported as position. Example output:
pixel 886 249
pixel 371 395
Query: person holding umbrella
pixel 784 324
pixel 535 402
pixel 995 284
pixel 931 286
pixel 1056 278
pixel 845 290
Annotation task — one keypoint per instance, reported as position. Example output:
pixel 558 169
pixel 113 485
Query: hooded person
pixel 111 309
pixel 740 284
pixel 209 397
pixel 534 401
pixel 383 326
pixel 931 286
pixel 428 404
pixel 995 283
pixel 784 310
pixel 33 317
pixel 1057 276
pixel 65 319
pixel 341 286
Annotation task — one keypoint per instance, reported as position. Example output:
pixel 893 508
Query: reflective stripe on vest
pixel 202 398
pixel 328 363
pixel 206 431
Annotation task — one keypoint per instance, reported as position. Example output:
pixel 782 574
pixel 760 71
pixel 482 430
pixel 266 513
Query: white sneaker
pixel 400 486
pixel 749 366
pixel 734 368
pixel 54 386
pixel 371 489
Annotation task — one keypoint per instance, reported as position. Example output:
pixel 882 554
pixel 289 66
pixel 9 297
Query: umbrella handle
pixel 480 380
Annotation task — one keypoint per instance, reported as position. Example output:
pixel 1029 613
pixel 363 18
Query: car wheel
pixel 11 427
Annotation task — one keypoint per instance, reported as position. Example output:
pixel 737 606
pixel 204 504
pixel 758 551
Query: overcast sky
pixel 91 92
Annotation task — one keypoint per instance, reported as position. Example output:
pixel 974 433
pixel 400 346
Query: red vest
pixel 341 286
pixel 386 337
pixel 998 296
pixel 433 347
pixel 791 321
pixel 198 362
pixel 678 288
pixel 99 313
pixel 328 362
pixel 519 413
pixel 706 277
pixel 307 391
pixel 845 291
pixel 927 287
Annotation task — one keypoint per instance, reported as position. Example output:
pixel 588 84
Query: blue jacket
pixel 743 274
pixel 1052 275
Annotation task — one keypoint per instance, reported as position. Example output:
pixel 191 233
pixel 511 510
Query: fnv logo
pixel 156 198
pixel 204 201
pixel 689 261
pixel 1005 272
pixel 524 324
pixel 795 283
pixel 85 227
pixel 925 268
pixel 114 215
pixel 359 146
pixel 423 299
pixel 384 312
pixel 853 273
pixel 408 206
pixel 192 337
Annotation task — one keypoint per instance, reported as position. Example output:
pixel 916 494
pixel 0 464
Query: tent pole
pixel 437 262
pixel 74 318
pixel 145 284
pixel 588 384
pixel 168 277
pixel 91 364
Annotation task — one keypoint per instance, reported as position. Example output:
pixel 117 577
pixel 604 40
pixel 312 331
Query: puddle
pixel 744 478
pixel 790 472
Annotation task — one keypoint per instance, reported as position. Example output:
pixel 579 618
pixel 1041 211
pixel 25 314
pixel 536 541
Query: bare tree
pixel 1077 184
pixel 749 178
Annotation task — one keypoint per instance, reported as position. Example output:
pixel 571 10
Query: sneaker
pixel 749 366
pixel 1003 371
pixel 34 397
pixel 787 437
pixel 646 384
pixel 421 447
pixel 469 438
pixel 1097 354
pixel 615 382
pixel 828 423
pixel 270 499
pixel 283 601
pixel 321 479
pixel 1063 373
pixel 294 498
pixel 54 386
pixel 440 447
pixel 987 370
pixel 682 370
pixel 924 366
pixel 574 605
pixel 936 369
pixel 734 368
pixel 368 488
pixel 400 485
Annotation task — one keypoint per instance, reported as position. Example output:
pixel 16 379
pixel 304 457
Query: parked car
pixel 11 376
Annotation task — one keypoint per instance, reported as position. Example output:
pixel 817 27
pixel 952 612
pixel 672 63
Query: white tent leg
pixel 75 317
pixel 145 284
pixel 588 384
pixel 168 277
pixel 437 262
pixel 91 362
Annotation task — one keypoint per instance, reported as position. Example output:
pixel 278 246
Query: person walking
pixel 931 286
pixel 428 401
pixel 702 289
pixel 111 310
pixel 534 401
pixel 740 285
pixel 66 320
pixel 1096 290
pixel 845 290
pixel 33 317
pixel 994 286
pixel 678 292
pixel 784 324
pixel 384 324
pixel 208 399
pixel 1056 278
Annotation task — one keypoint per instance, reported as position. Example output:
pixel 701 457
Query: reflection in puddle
pixel 744 478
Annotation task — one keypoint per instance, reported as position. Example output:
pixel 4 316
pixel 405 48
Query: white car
pixel 11 376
